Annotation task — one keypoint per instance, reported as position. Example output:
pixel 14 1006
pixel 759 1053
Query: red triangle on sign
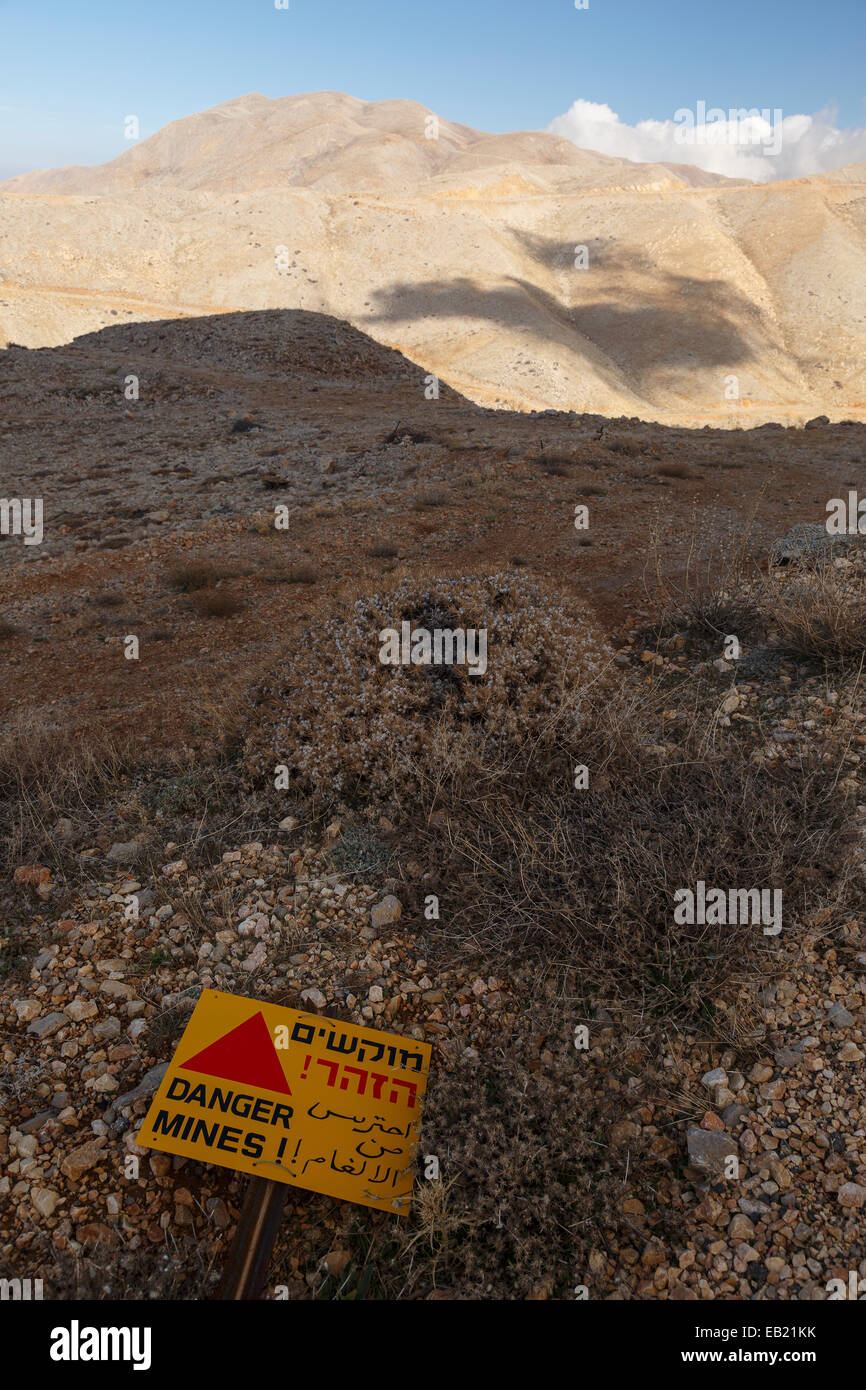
pixel 246 1054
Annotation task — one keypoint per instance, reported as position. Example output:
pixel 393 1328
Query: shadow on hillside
pixel 640 332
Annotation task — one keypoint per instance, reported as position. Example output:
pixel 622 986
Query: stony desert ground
pixel 346 439
pixel 289 372
pixel 564 1172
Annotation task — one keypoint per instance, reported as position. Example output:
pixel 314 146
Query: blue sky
pixel 73 71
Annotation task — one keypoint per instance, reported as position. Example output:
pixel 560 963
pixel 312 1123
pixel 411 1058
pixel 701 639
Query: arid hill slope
pixel 465 252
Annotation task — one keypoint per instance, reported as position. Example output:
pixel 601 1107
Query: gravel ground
pixel 94 1009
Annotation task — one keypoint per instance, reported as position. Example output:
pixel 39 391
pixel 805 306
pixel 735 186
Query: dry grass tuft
pixel 185 579
pixel 822 615
pixel 301 574
pixel 528 867
pixel 812 610
pixel 217 603
pixel 555 464
pixel 290 574
pixel 714 596
pixel 675 470
pixel 46 774
pixel 431 498
pixel 623 444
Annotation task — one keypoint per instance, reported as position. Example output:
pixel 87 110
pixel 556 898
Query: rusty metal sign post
pixel 254 1239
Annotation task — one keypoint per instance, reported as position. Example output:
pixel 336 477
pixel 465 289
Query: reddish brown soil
pixel 504 489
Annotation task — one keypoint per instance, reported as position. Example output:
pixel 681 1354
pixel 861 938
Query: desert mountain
pixel 521 270
pixel 335 144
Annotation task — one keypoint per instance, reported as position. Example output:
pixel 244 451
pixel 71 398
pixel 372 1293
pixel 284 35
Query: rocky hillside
pixel 521 270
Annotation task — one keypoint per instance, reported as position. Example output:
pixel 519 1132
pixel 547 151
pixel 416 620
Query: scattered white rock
pixel 716 1077
pixel 385 913
pixel 44 1200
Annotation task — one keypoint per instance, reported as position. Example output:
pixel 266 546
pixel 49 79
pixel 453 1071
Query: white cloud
pixel 746 145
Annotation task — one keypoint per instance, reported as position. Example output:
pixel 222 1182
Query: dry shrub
pixel 555 464
pixel 361 853
pixel 185 579
pixel 456 442
pixel 714 595
pixel 19 1080
pixel 217 603
pixel 46 774
pixel 344 722
pixel 300 574
pixel 675 470
pixel 431 498
pixel 288 574
pixel 165 1031
pixel 821 614
pixel 401 433
pixel 622 444
pixel 526 866
pixel 593 456
pixel 815 608
pixel 529 1183
pixel 180 1268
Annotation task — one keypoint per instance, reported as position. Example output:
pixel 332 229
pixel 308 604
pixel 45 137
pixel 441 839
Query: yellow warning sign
pixel 295 1097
